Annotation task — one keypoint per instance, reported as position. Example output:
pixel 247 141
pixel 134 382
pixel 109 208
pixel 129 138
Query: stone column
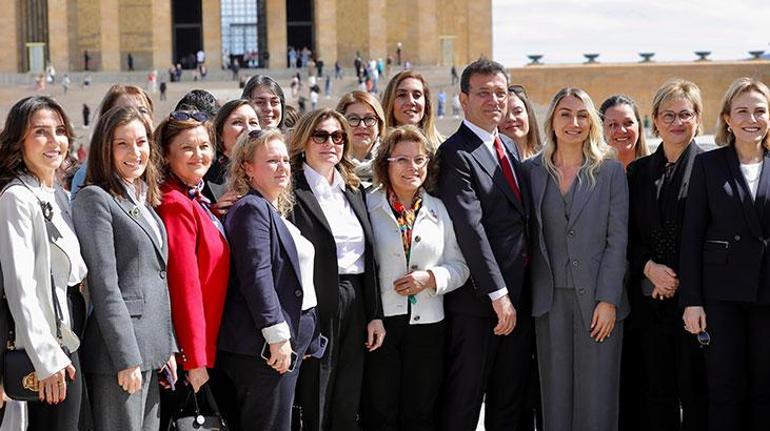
pixel 212 33
pixel 479 30
pixel 275 12
pixel 426 42
pixel 161 36
pixel 325 29
pixel 9 26
pixel 109 39
pixel 58 35
pixel 378 30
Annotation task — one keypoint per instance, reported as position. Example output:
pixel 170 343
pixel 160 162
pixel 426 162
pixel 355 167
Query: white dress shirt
pixel 140 200
pixel 489 142
pixel 347 230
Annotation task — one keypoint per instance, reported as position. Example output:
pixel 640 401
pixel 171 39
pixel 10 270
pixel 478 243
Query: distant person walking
pixel 455 77
pixel 86 60
pixel 163 88
pixel 130 61
pixel 66 82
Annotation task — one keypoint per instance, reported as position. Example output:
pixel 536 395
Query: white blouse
pixel 306 253
pixel 751 172
pixel 347 230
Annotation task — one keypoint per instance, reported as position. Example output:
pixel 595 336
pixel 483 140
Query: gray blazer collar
pixel 132 211
pixel 539 179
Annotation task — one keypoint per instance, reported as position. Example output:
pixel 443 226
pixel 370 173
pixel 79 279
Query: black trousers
pixel 265 397
pixel 738 365
pixel 673 369
pixel 480 363
pixel 329 389
pixel 403 377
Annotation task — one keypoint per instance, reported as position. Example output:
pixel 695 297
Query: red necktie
pixel 505 165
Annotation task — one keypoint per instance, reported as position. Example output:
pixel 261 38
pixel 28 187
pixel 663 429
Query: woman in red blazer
pixel 199 257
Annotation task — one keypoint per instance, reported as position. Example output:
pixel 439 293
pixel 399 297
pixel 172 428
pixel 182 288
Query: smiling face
pixel 45 144
pixel 362 136
pixel 190 154
pixel 515 124
pixel 268 107
pixel 322 157
pixel 487 100
pixel 409 103
pixel 130 150
pixel 748 118
pixel 621 129
pixel 404 175
pixel 571 122
pixel 269 169
pixel 678 132
pixel 243 118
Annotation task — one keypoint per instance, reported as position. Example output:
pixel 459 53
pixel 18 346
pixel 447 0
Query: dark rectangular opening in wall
pixel 299 24
pixel 187 31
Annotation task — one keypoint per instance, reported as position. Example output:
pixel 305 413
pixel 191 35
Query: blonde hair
pixel 674 89
pixel 724 135
pixel 301 137
pixel 595 150
pixel 245 147
pixel 428 122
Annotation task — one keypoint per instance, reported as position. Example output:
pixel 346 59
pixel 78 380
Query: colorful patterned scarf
pixel 405 219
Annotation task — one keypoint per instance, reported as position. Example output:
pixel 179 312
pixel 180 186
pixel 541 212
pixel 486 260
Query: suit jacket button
pixel 163 274
pixel 417 238
pixel 571 233
pixel 298 293
pixel 581 291
pixel 575 262
pixel 413 267
pixel 737 237
pixel 416 318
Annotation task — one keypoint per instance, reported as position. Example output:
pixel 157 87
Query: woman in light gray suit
pixel 129 335
pixel 579 231
pixel 37 247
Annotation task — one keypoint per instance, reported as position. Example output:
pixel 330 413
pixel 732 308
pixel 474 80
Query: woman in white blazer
pixel 38 246
pixel 419 261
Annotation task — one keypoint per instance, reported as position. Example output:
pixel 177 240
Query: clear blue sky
pixel 563 30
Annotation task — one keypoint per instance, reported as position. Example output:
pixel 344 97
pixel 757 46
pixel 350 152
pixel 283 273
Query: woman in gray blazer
pixel 129 336
pixel 580 204
pixel 38 247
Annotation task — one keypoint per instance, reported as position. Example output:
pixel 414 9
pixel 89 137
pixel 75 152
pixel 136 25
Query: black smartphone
pixel 265 354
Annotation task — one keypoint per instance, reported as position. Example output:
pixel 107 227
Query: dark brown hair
pixel 406 133
pixel 117 90
pixel 170 128
pixel 222 115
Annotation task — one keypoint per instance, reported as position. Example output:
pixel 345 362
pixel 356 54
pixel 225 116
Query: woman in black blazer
pixel 725 287
pixel 330 210
pixel 668 365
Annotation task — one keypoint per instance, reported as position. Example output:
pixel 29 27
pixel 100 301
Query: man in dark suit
pixel 489 318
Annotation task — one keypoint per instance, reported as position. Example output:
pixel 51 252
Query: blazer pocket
pixel 715 252
pixel 135 306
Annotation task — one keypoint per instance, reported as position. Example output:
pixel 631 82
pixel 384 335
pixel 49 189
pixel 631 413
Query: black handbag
pixel 187 420
pixel 19 379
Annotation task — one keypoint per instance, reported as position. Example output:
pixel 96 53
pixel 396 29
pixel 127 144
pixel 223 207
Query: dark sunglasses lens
pixel 180 116
pixel 337 137
pixel 320 137
pixel 200 116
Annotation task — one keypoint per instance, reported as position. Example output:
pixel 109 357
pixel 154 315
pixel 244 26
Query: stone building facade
pixel 159 32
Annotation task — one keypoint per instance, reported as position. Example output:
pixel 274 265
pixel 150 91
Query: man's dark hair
pixel 482 66
pixel 199 100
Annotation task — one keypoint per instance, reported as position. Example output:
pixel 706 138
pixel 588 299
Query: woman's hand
pixel 53 389
pixel 375 334
pixel 225 202
pixel 414 283
pixel 663 277
pixel 694 319
pixel 280 356
pixel 130 379
pixel 603 321
pixel 198 377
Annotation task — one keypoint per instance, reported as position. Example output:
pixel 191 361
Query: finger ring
pixel 59 383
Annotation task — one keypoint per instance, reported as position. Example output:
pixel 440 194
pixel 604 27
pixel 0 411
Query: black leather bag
pixel 193 420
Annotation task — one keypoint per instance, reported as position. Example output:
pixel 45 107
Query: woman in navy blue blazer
pixel 723 271
pixel 270 306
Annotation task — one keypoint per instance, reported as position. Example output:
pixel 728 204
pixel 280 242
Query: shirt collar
pixel 486 137
pixel 316 180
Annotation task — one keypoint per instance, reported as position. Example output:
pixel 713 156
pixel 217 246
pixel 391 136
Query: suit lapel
pixel 582 194
pixel 491 166
pixel 287 241
pixel 763 189
pixel 359 208
pixel 132 211
pixel 742 190
pixel 304 194
pixel 539 180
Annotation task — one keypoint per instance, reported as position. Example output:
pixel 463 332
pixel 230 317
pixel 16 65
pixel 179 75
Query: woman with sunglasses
pixel 407 100
pixel 725 262
pixel 623 128
pixel 232 120
pixel 419 261
pixel 330 211
pixel 41 257
pixel 129 339
pixel 670 364
pixel 520 124
pixel 198 253
pixel 367 124
pixel 269 324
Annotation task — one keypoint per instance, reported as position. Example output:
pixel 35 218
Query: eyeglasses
pixel 487 94
pixel 517 89
pixel 355 121
pixel 669 117
pixel 704 338
pixel 321 136
pixel 198 116
pixel 406 162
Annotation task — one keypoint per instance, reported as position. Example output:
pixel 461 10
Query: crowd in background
pixel 352 268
